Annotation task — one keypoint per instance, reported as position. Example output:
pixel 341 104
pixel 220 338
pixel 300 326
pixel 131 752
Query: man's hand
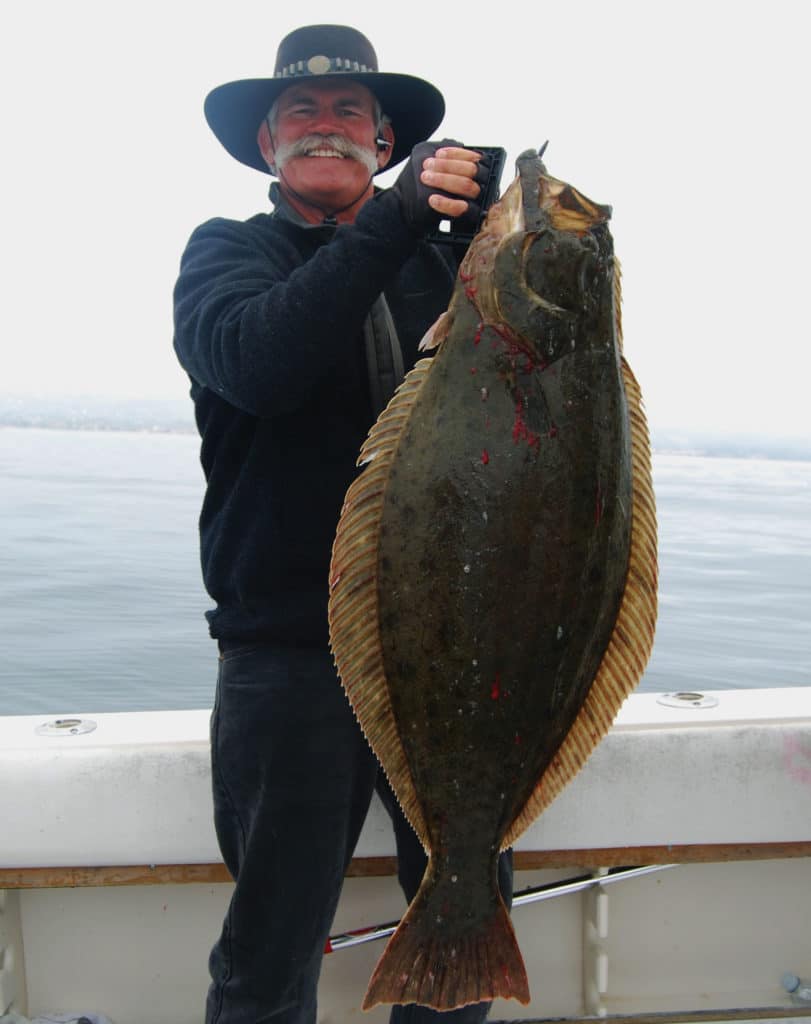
pixel 453 170
pixel 438 181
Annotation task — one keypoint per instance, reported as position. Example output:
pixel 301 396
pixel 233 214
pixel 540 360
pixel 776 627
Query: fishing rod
pixel 533 895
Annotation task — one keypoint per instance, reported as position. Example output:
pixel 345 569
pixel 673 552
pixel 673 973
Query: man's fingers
pixel 439 181
pixel 452 169
pixel 456 184
pixel 464 168
pixel 457 153
pixel 447 207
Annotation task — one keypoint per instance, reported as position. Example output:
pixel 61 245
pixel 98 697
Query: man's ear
pixel 384 152
pixel 265 144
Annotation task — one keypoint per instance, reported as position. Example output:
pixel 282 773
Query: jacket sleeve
pixel 259 324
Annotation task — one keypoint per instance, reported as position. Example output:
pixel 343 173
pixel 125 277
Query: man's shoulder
pixel 227 227
pixel 223 237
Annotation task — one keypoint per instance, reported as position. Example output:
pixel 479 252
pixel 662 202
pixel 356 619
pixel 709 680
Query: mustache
pixel 344 147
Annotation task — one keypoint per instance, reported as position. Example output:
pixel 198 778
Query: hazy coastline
pixel 175 416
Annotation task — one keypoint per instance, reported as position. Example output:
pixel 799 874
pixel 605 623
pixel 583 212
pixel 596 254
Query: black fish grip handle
pixel 464 229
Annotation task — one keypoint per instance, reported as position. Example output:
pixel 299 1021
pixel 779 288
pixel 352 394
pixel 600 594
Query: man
pixel 294 328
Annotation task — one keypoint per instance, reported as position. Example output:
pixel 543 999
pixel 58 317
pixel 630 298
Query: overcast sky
pixel 689 118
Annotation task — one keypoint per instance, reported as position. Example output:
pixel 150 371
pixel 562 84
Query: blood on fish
pixel 521 431
pixel 473 369
pixel 485 457
pixel 495 689
pixel 477 337
pixel 553 431
pixel 519 426
pixel 503 333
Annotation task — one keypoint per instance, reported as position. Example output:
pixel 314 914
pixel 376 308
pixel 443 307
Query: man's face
pixel 321 173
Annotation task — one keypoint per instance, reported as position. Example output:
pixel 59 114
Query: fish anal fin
pixel 353 602
pixel 631 641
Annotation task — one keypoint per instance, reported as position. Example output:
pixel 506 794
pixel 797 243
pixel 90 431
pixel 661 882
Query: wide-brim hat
pixel 235 110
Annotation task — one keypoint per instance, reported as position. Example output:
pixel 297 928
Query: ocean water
pixel 102 605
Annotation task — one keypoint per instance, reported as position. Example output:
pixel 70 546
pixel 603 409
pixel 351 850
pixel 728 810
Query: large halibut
pixel 494 573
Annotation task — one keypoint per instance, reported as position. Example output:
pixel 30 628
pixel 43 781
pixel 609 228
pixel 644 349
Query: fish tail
pixel 428 963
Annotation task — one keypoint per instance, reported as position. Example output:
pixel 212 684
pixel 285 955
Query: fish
pixel 493 582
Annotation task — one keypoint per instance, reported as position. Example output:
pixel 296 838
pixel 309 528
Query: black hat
pixel 234 111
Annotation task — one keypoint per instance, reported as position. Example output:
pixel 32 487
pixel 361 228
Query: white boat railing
pixel 105 833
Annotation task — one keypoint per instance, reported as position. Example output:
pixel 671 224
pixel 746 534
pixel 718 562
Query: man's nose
pixel 327 123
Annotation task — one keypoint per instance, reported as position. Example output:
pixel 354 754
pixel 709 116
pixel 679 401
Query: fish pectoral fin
pixel 436 333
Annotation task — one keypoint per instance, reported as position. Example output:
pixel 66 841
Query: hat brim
pixel 235 110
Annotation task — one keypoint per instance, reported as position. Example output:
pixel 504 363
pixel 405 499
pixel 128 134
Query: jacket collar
pixel 284 211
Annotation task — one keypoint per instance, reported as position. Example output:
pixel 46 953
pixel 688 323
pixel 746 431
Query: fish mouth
pixel 568 209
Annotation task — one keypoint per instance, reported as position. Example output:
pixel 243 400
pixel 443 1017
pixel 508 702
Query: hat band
pixel 321 65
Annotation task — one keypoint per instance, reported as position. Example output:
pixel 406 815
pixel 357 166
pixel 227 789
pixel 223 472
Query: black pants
pixel 293 777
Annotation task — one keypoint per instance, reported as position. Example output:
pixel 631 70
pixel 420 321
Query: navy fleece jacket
pixel 268 326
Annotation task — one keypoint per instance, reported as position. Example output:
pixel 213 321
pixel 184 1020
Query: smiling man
pixel 321 140
pixel 325 121
pixel 295 327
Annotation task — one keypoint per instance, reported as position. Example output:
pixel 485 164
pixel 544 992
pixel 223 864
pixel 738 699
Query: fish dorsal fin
pixel 618 301
pixel 631 641
pixel 353 603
